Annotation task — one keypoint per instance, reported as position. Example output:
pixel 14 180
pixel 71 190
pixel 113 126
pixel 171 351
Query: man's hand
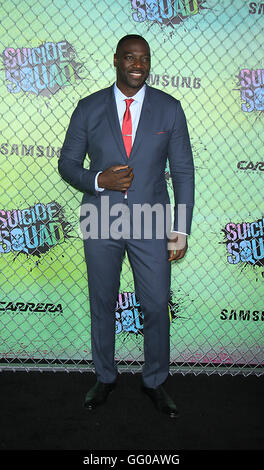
pixel 177 246
pixel 116 178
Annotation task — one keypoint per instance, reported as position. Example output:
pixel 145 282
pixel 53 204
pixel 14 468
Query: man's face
pixel 132 64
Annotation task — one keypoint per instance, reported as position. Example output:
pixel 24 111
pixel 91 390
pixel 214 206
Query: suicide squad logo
pixel 41 70
pixel 251 89
pixel 34 230
pixel 165 12
pixel 245 242
pixel 129 315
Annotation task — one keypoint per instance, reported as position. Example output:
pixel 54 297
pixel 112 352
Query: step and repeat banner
pixel 208 54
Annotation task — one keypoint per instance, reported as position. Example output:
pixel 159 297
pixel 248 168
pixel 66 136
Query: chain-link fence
pixel 208 55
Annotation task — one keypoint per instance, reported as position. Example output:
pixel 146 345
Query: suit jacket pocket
pixel 160 133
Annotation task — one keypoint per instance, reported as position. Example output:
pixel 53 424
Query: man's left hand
pixel 177 246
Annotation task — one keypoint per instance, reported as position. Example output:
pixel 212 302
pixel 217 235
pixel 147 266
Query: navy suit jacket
pixel 162 134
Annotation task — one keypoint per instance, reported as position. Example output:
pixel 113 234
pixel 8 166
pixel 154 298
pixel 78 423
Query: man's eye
pixel 129 57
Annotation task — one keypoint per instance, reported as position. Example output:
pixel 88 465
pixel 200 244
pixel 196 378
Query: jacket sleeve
pixel 73 153
pixel 182 172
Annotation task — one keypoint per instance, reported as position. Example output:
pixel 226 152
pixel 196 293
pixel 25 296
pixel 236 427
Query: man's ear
pixel 115 60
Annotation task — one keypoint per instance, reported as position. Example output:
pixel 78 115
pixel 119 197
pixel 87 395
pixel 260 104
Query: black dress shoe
pixel 162 400
pixel 98 394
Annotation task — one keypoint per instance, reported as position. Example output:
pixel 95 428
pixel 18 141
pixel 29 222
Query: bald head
pixel 130 37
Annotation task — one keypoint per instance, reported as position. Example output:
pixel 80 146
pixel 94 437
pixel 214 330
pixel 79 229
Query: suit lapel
pixel 112 116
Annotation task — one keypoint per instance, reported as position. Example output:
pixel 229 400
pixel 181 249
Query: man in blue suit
pixel 129 130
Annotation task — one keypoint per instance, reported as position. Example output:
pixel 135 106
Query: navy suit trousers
pixel 152 273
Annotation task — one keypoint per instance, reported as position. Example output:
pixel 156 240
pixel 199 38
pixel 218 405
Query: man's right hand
pixel 116 178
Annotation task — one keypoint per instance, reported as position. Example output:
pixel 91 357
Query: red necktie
pixel 127 128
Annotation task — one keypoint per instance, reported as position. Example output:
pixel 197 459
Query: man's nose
pixel 138 64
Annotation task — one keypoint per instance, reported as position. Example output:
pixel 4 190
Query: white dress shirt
pixel 135 110
pixel 135 107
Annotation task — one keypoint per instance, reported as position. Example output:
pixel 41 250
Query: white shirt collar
pixel 139 96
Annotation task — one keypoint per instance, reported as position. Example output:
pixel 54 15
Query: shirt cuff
pixel 96 183
pixel 174 231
